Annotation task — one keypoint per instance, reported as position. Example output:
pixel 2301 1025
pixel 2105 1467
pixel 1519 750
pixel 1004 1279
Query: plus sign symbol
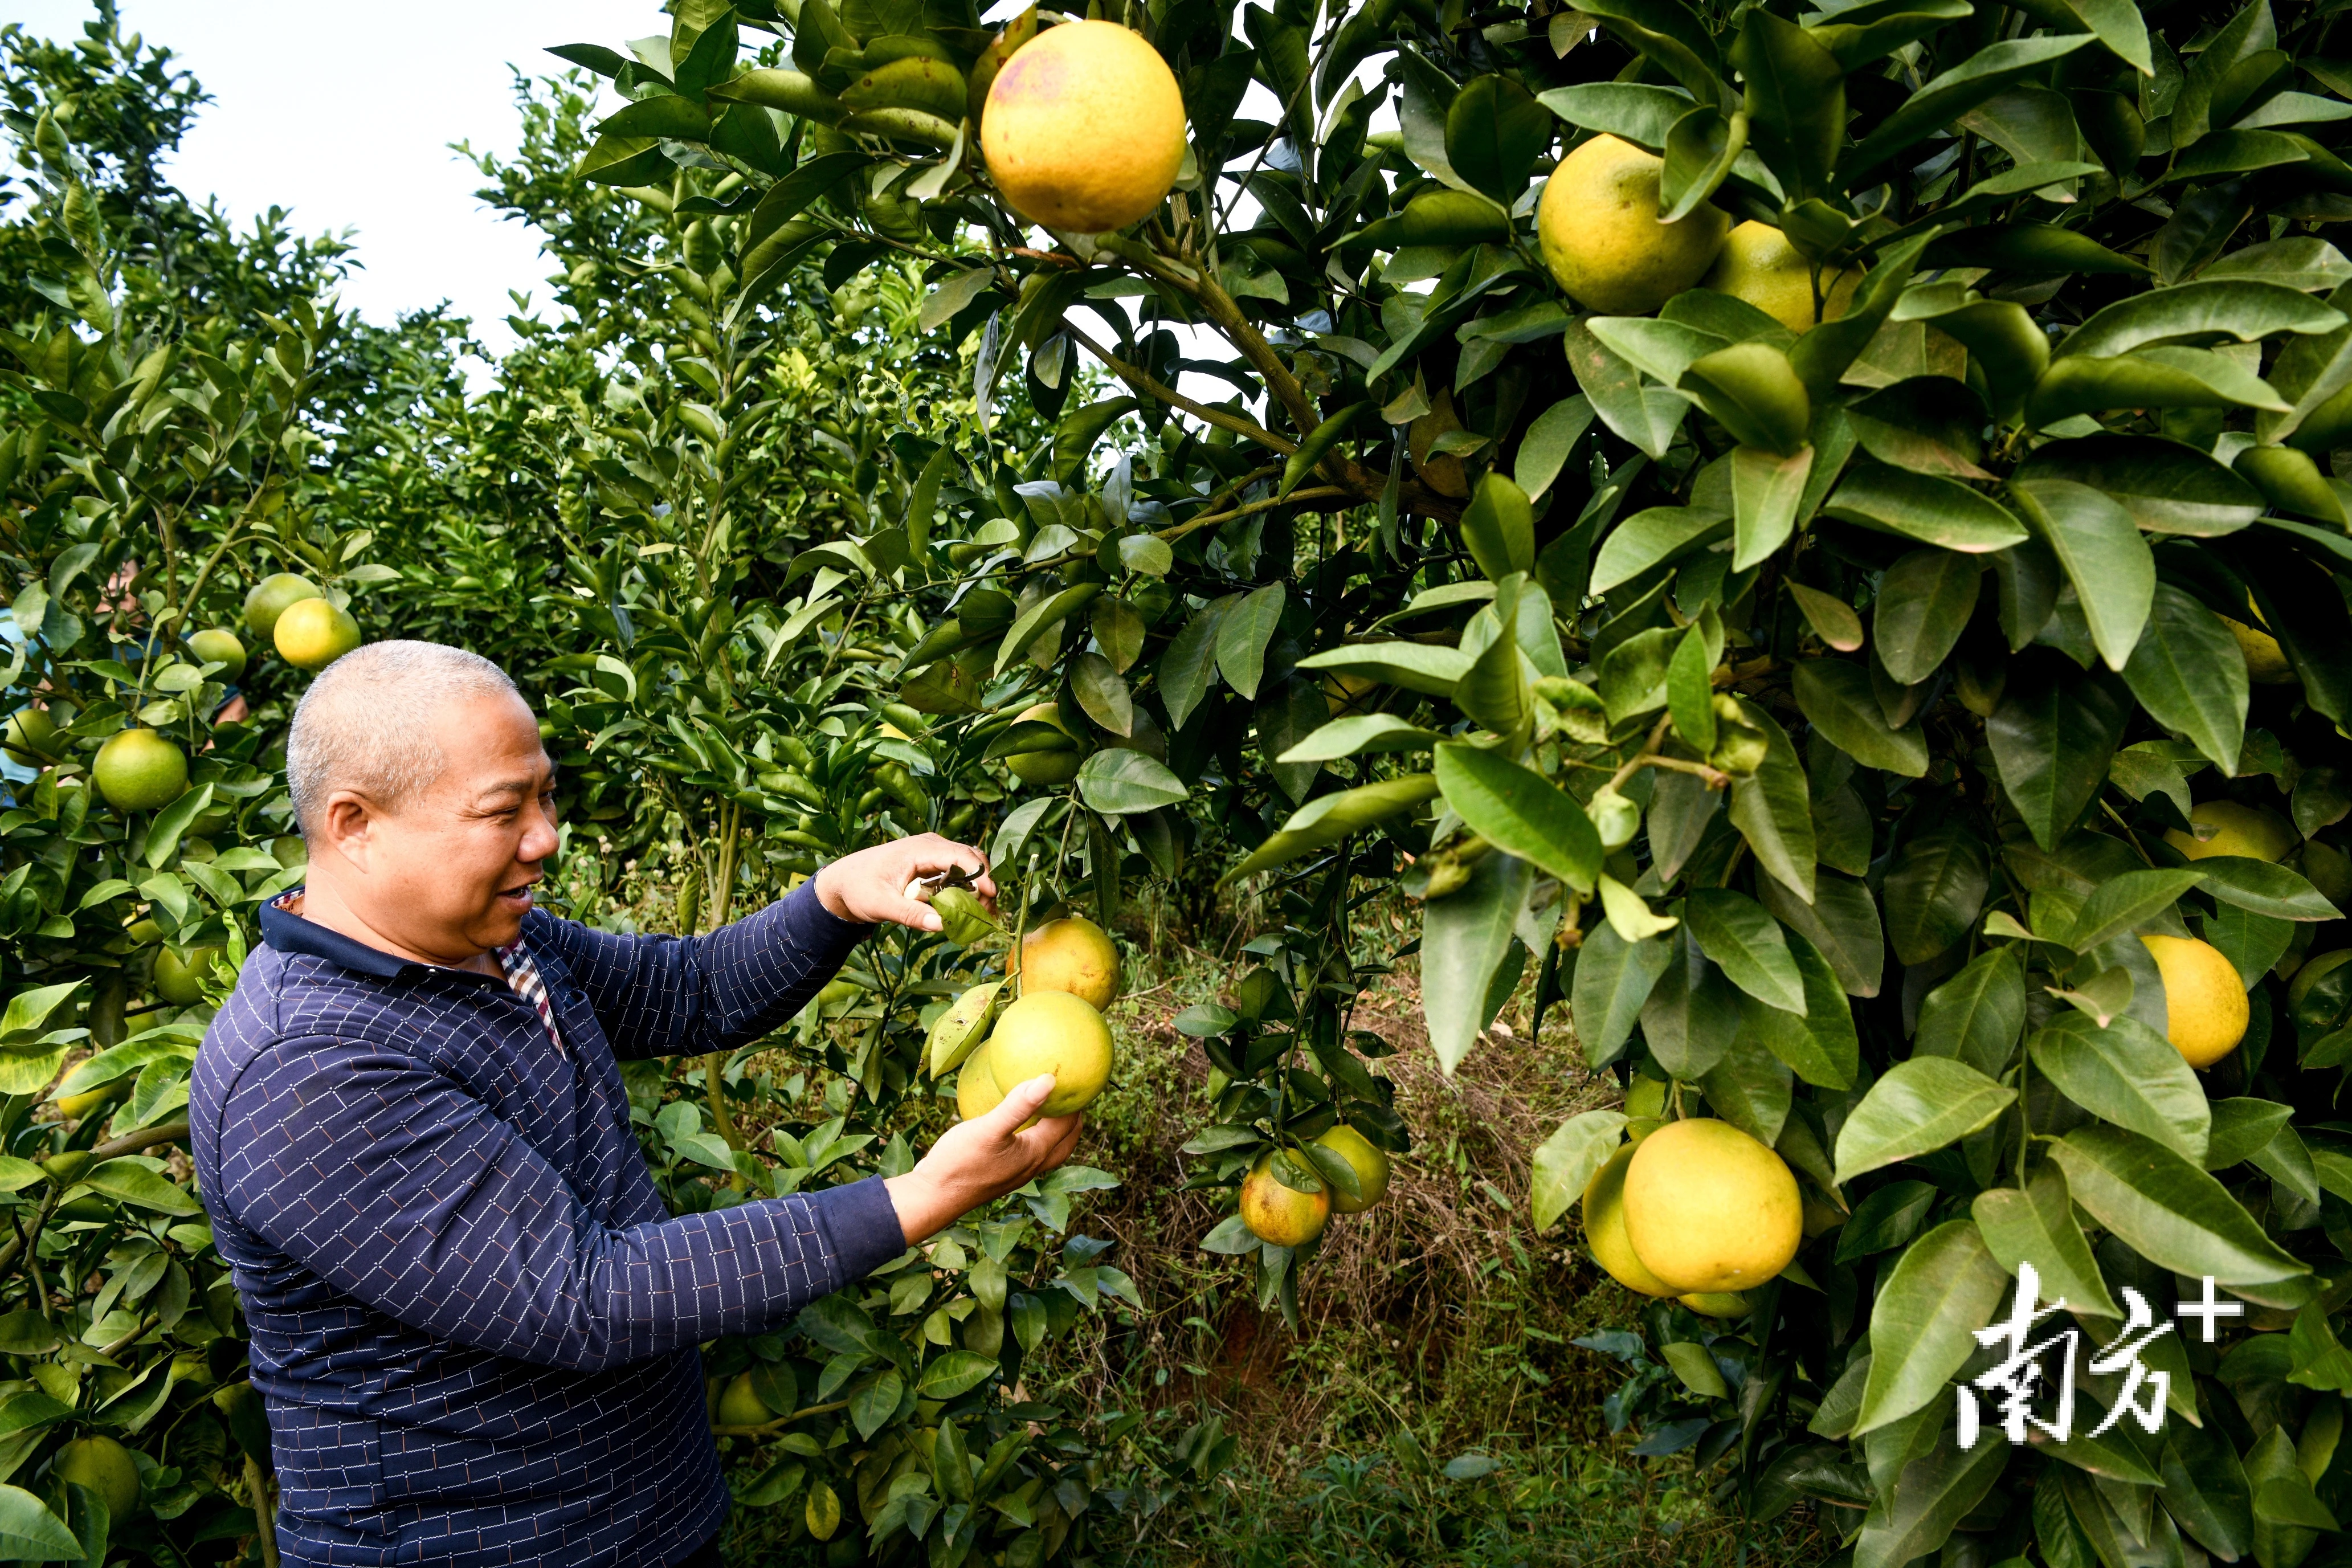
pixel 2209 1310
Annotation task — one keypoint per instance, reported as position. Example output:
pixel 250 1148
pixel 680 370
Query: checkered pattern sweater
pixel 474 1322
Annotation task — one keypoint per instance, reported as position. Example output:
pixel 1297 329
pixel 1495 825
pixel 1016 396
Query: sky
pixel 343 114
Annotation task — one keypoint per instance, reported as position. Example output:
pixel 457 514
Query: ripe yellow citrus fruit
pixel 1278 1215
pixel 1052 1032
pixel 177 981
pixel 314 633
pixel 2266 662
pixel 1369 1164
pixel 1348 693
pixel 1716 1304
pixel 2205 1005
pixel 1604 1227
pixel 1048 769
pixel 1598 224
pixel 2246 830
pixel 218 645
pixel 139 770
pixel 976 1091
pixel 31 737
pixel 1073 954
pixel 1759 265
pixel 75 1106
pixel 269 599
pixel 106 1467
pixel 1083 128
pixel 1708 1208
pixel 740 1404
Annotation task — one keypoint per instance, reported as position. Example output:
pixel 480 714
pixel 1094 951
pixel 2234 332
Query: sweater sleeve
pixel 667 995
pixel 397 1188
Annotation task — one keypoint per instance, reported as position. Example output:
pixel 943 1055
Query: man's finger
pixel 1019 1104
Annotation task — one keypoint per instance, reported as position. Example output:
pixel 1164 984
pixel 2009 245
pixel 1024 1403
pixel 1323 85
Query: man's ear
pixel 347 827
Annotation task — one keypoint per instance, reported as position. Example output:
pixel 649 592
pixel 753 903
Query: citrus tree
pixel 1814 533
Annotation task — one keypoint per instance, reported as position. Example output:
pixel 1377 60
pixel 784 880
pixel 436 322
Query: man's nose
pixel 539 839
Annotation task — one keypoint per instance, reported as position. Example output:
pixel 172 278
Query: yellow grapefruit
pixel 1604 1227
pixel 2266 662
pixel 2205 1005
pixel 1048 769
pixel 1073 954
pixel 1759 265
pixel 1052 1032
pixel 1598 225
pixel 269 599
pixel 314 633
pixel 1280 1215
pixel 139 770
pixel 1716 1304
pixel 1083 128
pixel 2246 830
pixel 1369 1164
pixel 1708 1208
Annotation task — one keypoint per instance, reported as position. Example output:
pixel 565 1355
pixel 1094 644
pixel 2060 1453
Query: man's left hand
pixel 879 884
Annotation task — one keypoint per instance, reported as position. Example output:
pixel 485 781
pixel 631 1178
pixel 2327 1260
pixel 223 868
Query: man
pixel 473 1322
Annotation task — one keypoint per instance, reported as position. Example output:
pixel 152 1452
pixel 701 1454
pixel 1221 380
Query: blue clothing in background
pixel 473 1321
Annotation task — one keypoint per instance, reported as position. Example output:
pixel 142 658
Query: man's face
pixel 449 874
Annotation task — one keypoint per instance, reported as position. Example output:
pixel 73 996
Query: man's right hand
pixel 982 1159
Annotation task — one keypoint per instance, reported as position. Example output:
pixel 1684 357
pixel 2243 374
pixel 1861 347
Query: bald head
pixel 369 723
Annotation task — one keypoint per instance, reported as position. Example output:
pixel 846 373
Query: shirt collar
pixel 287 931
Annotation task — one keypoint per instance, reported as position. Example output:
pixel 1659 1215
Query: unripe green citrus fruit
pixel 269 599
pixel 1052 1032
pixel 178 982
pixel 1369 1164
pixel 1073 954
pixel 1280 1215
pixel 314 633
pixel 741 1404
pixel 140 771
pixel 106 1467
pixel 1708 1208
pixel 1046 770
pixel 2206 1009
pixel 218 645
pixel 31 737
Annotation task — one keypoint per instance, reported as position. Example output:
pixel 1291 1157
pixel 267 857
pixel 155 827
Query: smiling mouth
pixel 519 897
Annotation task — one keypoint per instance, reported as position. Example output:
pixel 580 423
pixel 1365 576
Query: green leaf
pixel 1117 781
pixel 1701 149
pixel 1613 981
pixel 1650 538
pixel 1976 1015
pixel 1360 734
pixel 1040 618
pixel 141 1188
pixel 1191 662
pixel 1836 699
pixel 2205 1489
pixel 1818 1044
pixel 1327 819
pixel 2127 1074
pixel 1950 95
pixel 2264 888
pixel 1734 931
pixel 1494 133
pixel 1920 1106
pixel 953 1373
pixel 1933 510
pixel 1075 437
pixel 1521 812
pixel 2319 1357
pixel 1500 528
pixel 2200 313
pixel 1766 491
pixel 2169 1211
pixel 1927 1502
pixel 2125 903
pixel 1692 1016
pixel 1934 885
pixel 1645 416
pixel 1318 443
pixel 1464 938
pixel 1695 1369
pixel 1925 600
pixel 29 1532
pixel 1796 100
pixel 2167 488
pixel 2188 672
pixel 2052 738
pixel 2110 564
pixel 1417 666
pixel 164 834
pixel 1672 36
pixel 2150 378
pixel 1103 693
pixel 1923 1326
pixel 2035 1224
pixel 876 1401
pixel 1749 1088
pixel 1567 1159
pixel 1842 922
pixel 1632 111
pixel 1243 635
pixel 1773 809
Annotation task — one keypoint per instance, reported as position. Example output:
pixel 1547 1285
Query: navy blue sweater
pixel 474 1323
